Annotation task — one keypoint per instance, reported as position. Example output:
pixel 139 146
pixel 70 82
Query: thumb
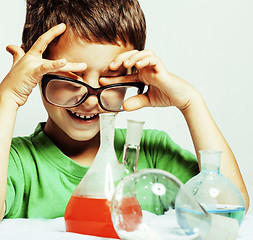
pixel 16 52
pixel 136 102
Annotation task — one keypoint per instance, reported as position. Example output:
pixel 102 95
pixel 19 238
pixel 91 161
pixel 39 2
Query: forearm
pixel 207 136
pixel 8 113
pixel 167 89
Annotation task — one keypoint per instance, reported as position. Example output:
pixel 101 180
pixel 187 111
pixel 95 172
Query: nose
pixel 91 102
pixel 92 79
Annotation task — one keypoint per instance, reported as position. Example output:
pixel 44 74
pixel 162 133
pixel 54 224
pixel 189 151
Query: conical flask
pixel 216 193
pixel 88 210
pixel 132 145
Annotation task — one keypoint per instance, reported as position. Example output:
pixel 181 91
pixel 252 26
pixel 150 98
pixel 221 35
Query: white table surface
pixel 54 229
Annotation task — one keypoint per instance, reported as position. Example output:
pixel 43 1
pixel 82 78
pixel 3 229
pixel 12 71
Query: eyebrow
pixel 72 75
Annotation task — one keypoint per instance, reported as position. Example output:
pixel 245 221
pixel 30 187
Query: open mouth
pixel 85 117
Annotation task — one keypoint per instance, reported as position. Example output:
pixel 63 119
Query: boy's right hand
pixel 28 68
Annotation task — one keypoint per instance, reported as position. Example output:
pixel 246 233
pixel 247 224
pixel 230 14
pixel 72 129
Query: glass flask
pixel 88 210
pixel 132 145
pixel 153 204
pixel 216 193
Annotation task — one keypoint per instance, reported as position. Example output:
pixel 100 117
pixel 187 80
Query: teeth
pixel 84 116
pixel 90 116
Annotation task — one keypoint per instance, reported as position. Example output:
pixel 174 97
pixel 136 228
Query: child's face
pixel 82 122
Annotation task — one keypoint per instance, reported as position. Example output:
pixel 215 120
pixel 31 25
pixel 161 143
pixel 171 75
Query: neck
pixel 82 152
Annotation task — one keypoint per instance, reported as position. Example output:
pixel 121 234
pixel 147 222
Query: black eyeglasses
pixel 66 92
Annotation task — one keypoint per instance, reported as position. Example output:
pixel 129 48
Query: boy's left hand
pixel 165 89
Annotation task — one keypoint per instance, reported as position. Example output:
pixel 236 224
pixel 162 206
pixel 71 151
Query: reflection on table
pixel 54 229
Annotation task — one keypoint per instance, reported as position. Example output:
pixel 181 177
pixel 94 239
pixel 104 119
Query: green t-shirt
pixel 41 179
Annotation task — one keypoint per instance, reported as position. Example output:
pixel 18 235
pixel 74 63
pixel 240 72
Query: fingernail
pixel 82 64
pixel 62 25
pixel 8 49
pixel 62 61
pixel 112 64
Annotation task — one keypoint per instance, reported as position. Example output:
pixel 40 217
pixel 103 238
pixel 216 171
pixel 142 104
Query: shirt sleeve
pixel 163 153
pixel 15 186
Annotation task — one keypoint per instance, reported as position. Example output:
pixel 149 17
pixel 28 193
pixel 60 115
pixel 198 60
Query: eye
pixel 115 74
pixel 79 74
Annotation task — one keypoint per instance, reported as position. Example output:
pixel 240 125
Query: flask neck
pixel 105 171
pixel 107 128
pixel 130 157
pixel 210 161
pixel 132 145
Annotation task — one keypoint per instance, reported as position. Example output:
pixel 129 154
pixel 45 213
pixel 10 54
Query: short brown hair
pixel 98 21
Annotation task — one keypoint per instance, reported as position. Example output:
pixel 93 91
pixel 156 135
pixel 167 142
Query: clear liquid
pixel 236 212
pixel 188 219
pixel 192 222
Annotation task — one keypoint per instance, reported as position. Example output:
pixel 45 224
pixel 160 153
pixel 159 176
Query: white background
pixel 207 42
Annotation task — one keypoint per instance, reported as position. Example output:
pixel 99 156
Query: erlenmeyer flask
pixel 132 145
pixel 88 211
pixel 216 193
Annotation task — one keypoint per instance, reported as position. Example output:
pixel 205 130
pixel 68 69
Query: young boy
pixel 96 43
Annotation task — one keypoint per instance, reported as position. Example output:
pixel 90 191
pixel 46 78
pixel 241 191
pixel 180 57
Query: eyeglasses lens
pixel 112 98
pixel 64 93
pixel 69 94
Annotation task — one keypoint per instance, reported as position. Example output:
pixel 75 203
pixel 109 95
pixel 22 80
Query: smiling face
pixel 81 123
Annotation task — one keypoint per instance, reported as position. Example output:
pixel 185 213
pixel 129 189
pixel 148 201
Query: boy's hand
pixel 165 89
pixel 28 68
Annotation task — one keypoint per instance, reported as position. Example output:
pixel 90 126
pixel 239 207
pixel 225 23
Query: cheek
pixel 52 111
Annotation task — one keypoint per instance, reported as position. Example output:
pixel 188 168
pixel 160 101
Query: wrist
pixel 196 103
pixel 7 99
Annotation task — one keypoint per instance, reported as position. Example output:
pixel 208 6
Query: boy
pixel 96 43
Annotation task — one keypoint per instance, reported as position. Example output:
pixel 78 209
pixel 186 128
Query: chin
pixel 82 136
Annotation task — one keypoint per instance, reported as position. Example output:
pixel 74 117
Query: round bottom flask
pixel 143 207
pixel 216 193
pixel 153 204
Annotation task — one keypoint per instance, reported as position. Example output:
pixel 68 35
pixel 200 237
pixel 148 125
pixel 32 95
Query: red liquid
pixel 89 216
pixel 130 214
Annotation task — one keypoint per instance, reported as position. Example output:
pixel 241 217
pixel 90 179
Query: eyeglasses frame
pixel 91 90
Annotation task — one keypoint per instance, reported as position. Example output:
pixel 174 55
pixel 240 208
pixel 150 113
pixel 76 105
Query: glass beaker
pixel 215 192
pixel 88 210
pixel 132 145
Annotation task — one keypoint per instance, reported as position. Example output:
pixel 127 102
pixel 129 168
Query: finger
pixel 49 66
pixel 60 65
pixel 131 61
pixel 136 102
pixel 74 67
pixel 145 62
pixel 117 62
pixel 120 79
pixel 16 52
pixel 43 41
